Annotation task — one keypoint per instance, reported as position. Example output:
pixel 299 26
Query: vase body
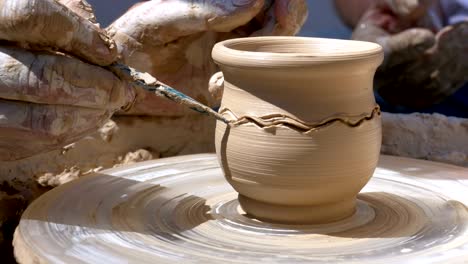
pixel 306 130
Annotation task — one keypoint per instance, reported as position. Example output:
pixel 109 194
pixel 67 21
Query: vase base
pixel 291 214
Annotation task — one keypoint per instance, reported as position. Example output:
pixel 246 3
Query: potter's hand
pixel 49 99
pixel 420 68
pixel 172 40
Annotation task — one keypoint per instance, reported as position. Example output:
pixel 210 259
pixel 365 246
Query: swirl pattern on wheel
pixel 182 210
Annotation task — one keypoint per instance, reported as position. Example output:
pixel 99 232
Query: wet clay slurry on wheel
pixel 181 210
pixel 305 133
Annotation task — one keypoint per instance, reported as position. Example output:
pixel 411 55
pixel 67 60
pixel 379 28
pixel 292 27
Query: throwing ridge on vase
pixel 306 131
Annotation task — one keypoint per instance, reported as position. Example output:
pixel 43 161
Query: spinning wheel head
pixel 182 210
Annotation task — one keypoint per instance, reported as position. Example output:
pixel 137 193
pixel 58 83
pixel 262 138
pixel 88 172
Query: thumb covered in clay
pixel 377 26
pixel 414 72
pixel 412 9
pixel 172 40
pixel 283 18
pixel 81 8
pixel 406 46
pixel 426 79
pixel 216 85
pixel 51 24
pixel 157 25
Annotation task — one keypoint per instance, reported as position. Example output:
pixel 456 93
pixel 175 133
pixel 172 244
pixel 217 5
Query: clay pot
pixel 307 131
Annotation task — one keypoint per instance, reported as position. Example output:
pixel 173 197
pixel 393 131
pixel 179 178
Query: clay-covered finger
pixel 452 45
pixel 407 85
pixel 402 7
pixel 409 9
pixel 451 53
pixel 410 13
pixel 216 85
pixel 80 7
pixel 406 46
pixel 290 15
pixel 160 22
pixel 29 128
pixel 404 78
pixel 283 18
pixel 454 39
pixel 48 23
pixel 375 24
pixel 56 79
pixel 429 78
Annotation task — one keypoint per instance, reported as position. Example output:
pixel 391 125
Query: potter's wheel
pixel 182 210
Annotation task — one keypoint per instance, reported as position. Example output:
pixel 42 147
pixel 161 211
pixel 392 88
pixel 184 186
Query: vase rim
pixel 279 51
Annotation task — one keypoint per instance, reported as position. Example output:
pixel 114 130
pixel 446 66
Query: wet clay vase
pixel 306 131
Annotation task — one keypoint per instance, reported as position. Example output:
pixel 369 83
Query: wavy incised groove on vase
pixel 282 120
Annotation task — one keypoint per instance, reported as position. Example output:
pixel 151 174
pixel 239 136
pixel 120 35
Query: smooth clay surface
pixel 181 210
pixel 306 130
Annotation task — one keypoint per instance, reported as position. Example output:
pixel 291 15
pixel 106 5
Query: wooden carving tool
pixel 149 83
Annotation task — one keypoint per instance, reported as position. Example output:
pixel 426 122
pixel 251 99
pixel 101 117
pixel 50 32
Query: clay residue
pixel 282 120
pixel 110 146
pixel 50 179
pixel 124 140
pixel 426 136
pixel 136 156
pixel 417 213
pixel 53 180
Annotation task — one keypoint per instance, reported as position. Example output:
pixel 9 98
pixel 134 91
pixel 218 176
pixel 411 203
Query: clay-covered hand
pixel 422 66
pixel 51 92
pixel 172 40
